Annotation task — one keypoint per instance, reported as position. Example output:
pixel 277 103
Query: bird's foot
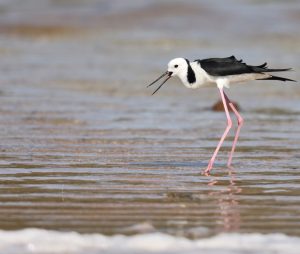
pixel 206 172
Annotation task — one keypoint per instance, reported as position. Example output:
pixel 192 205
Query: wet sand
pixel 85 147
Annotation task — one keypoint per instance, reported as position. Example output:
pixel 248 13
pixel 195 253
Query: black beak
pixel 163 75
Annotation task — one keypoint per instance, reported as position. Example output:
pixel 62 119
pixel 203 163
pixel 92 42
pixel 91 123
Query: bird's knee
pixel 240 121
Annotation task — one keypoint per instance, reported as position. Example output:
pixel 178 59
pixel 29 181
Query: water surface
pixel 84 147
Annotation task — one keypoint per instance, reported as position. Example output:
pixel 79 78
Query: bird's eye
pixel 176 65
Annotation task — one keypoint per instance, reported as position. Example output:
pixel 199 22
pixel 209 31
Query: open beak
pixel 168 74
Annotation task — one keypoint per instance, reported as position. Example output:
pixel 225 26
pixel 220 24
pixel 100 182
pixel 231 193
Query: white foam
pixel 45 242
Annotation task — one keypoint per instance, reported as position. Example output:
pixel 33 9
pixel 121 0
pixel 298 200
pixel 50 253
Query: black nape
pixel 191 77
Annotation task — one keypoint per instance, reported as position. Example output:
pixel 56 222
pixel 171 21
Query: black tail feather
pixel 264 65
pixel 278 78
pixel 275 70
pixel 264 68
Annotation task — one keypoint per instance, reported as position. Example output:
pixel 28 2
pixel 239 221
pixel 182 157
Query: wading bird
pixel 220 72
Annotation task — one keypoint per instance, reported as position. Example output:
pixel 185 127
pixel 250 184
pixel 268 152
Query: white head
pixel 176 67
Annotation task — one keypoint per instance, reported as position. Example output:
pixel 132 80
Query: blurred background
pixel 85 147
pixel 121 44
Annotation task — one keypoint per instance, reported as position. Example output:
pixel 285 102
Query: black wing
pixel 231 66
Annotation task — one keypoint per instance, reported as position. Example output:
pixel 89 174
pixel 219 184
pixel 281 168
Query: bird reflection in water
pixel 229 218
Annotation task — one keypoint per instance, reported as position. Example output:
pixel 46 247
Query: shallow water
pixel 85 147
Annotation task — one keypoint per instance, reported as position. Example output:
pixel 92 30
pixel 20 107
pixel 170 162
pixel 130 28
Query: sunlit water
pixel 84 147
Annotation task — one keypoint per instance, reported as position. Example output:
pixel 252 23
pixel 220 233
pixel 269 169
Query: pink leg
pixel 240 124
pixel 229 124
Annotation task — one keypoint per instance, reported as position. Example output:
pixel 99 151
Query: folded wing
pixel 231 66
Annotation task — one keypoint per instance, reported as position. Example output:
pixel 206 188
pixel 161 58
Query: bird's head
pixel 176 67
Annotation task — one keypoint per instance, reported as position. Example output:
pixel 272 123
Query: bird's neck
pixel 194 76
pixel 188 77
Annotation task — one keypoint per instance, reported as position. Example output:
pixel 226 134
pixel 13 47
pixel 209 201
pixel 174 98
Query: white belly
pixel 246 77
